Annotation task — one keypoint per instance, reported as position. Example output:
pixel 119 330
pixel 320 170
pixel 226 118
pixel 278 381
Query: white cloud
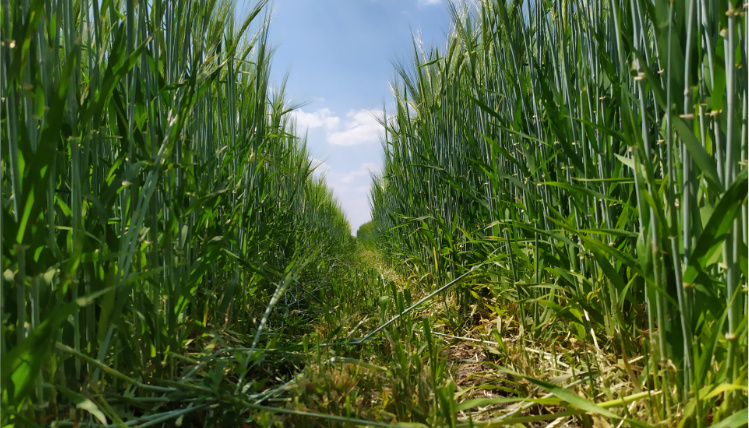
pixel 361 127
pixel 363 171
pixel 429 2
pixel 372 167
pixel 351 187
pixel 348 172
pixel 321 118
pixel 355 203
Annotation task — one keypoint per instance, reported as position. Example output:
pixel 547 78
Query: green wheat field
pixel 559 234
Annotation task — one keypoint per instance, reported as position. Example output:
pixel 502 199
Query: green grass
pixel 559 234
pixel 153 191
pixel 592 155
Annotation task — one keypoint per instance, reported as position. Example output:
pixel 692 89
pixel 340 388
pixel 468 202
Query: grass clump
pixel 590 157
pixel 157 213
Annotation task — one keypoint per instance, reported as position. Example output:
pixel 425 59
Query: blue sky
pixel 338 55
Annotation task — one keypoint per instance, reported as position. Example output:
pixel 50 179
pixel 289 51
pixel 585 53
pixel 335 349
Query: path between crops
pixel 464 368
